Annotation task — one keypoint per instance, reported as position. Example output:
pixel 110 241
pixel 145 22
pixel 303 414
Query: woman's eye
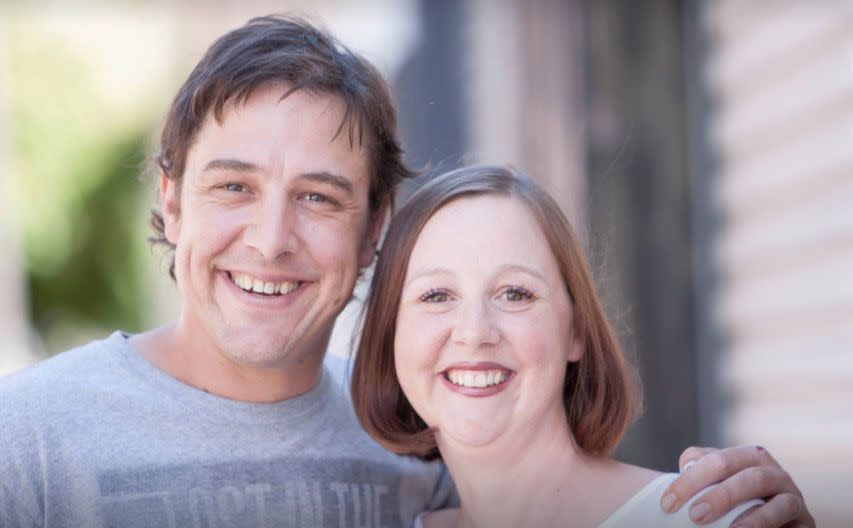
pixel 234 187
pixel 435 296
pixel 517 295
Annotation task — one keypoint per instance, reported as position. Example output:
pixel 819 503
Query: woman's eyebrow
pixel 425 272
pixel 506 268
pixel 519 268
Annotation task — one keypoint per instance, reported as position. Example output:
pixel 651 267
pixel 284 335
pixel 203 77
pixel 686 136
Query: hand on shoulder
pixel 743 473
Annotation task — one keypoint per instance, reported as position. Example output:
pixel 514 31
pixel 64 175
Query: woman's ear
pixel 577 342
pixel 170 204
pixel 576 348
pixel 374 232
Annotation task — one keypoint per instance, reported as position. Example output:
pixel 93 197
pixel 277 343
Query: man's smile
pixel 250 283
pixel 265 294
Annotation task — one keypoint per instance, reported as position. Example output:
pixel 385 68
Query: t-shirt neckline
pixel 219 407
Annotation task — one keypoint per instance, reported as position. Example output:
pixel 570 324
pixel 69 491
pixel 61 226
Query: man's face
pixel 271 225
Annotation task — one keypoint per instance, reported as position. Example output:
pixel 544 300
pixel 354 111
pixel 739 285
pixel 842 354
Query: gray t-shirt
pixel 98 436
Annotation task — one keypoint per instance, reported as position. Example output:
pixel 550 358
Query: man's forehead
pixel 331 107
pixel 310 128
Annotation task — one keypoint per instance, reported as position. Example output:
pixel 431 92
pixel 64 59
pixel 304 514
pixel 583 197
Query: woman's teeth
pixel 477 379
pixel 251 284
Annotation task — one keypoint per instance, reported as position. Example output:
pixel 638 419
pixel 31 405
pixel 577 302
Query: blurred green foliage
pixel 77 176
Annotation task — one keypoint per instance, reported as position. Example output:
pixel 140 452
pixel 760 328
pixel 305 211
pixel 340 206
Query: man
pixel 278 161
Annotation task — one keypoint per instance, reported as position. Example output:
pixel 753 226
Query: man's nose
pixel 273 231
pixel 474 326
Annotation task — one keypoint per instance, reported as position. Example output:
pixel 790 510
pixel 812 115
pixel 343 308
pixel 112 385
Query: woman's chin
pixel 471 435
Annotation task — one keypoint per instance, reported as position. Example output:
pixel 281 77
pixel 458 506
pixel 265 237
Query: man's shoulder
pixel 67 371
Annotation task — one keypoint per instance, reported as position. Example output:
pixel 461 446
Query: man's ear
pixel 374 231
pixel 170 204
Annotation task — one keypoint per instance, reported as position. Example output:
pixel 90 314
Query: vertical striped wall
pixel 779 76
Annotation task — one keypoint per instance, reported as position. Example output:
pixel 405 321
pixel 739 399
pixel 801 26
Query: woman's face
pixel 484 329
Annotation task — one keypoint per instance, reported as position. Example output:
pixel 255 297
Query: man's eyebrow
pixel 236 165
pixel 331 179
pixel 230 165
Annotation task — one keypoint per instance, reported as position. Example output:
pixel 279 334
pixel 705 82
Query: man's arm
pixel 744 473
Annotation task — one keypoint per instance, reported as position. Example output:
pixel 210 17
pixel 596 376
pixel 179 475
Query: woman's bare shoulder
pixel 627 479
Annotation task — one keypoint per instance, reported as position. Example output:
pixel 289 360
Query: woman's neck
pixel 534 478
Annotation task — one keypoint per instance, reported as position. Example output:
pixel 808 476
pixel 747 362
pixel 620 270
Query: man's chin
pixel 263 353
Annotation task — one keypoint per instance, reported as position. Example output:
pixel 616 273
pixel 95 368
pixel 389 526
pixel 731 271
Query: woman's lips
pixel 477 379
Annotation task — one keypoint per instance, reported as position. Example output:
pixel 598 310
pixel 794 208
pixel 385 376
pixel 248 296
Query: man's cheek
pixel 334 248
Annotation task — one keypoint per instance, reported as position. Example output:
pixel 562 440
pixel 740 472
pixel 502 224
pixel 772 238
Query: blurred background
pixel 704 150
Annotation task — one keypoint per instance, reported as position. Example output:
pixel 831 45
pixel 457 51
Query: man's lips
pixel 265 294
pixel 264 285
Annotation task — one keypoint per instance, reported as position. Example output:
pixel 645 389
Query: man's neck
pixel 197 361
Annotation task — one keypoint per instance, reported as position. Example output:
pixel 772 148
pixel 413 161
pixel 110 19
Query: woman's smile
pixel 478 379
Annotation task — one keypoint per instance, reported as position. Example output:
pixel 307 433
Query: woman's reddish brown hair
pixel 601 392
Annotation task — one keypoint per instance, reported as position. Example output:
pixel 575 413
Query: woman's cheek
pixel 420 334
pixel 532 339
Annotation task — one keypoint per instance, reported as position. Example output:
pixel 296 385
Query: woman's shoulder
pixel 617 484
pixel 445 518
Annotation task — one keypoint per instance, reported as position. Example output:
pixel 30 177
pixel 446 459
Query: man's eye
pixel 515 294
pixel 316 198
pixel 234 187
pixel 435 296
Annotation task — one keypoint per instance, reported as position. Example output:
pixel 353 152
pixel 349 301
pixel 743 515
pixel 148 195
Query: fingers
pixel 785 509
pixel 750 483
pixel 712 466
pixel 692 454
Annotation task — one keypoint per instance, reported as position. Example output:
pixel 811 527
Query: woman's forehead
pixel 490 229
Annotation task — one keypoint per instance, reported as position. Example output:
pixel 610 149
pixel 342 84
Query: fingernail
pixel 688 465
pixel 668 502
pixel 698 512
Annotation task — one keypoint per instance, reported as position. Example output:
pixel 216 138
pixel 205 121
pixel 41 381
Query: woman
pixel 485 344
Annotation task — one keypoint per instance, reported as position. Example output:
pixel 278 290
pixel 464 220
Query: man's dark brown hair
pixel 292 51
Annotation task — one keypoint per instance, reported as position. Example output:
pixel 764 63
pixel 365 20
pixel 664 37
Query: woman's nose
pixel 474 327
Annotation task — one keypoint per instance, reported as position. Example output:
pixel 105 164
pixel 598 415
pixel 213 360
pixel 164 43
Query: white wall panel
pixel 779 78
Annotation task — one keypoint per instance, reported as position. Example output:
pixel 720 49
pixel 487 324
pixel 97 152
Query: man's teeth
pixel 477 379
pixel 252 284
